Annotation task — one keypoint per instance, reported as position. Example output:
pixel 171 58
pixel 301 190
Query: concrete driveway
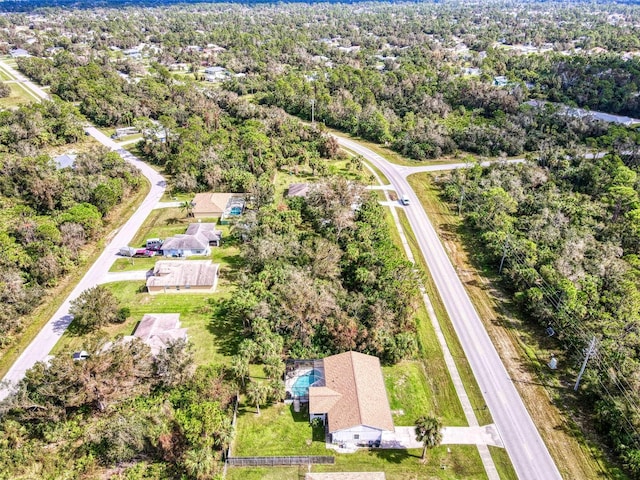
pixel 125 276
pixel 405 437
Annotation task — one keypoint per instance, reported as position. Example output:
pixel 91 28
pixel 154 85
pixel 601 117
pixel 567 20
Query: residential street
pixel 527 451
pixel 42 344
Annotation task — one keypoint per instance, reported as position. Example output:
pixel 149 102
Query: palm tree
pixel 240 368
pixel 429 432
pixel 257 393
pixel 187 206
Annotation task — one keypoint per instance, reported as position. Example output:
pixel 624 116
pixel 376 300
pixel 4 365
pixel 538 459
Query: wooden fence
pixel 276 461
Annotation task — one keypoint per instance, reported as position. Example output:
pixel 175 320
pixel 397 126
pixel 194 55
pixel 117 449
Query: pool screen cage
pixel 293 370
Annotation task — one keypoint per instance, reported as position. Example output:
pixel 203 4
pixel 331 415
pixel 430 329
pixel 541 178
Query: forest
pixel 317 276
pixel 49 214
pixel 570 233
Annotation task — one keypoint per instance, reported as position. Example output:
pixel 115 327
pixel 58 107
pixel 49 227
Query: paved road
pixel 32 89
pixel 527 451
pixel 40 347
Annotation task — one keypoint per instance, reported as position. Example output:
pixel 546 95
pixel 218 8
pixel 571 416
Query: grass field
pixel 214 339
pixel 548 397
pixel 18 96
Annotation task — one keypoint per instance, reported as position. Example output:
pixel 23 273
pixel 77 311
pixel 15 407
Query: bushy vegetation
pixel 49 214
pixel 70 418
pixel 323 279
pixel 570 229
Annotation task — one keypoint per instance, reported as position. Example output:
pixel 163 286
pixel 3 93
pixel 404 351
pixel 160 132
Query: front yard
pixel 214 339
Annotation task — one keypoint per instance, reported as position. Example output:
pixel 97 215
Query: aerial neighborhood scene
pixel 319 240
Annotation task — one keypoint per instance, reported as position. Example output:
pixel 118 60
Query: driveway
pixel 405 437
pixel 133 275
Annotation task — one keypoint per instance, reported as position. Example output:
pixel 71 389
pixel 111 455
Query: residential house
pixel 298 190
pixel 65 161
pixel 19 52
pixel 183 276
pixel 158 330
pixel 500 81
pixel 197 240
pixel 351 399
pixel 207 205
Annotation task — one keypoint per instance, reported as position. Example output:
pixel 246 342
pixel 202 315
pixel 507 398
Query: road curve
pixel 42 344
pixel 529 455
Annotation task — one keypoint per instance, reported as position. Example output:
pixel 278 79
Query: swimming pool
pixel 301 386
pixel 235 211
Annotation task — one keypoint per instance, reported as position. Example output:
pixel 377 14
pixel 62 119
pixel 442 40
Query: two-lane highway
pixel 528 453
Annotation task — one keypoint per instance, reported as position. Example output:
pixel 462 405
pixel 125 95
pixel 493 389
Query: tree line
pixel 569 228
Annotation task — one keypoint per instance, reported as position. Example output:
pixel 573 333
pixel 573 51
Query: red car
pixel 143 252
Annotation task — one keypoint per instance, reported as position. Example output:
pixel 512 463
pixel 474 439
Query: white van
pixel 154 243
pixel 404 200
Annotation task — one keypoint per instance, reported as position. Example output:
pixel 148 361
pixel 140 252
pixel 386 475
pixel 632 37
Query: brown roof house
pixel 206 205
pixel 197 240
pixel 351 399
pixel 158 330
pixel 183 276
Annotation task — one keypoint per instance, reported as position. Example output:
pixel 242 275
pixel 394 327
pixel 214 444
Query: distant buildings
pixel 19 52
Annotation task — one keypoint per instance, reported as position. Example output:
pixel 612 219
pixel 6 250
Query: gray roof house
pixel 158 330
pixel 197 240
pixel 65 161
pixel 183 276
pixel 19 52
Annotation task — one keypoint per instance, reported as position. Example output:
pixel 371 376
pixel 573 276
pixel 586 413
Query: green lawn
pixel 278 430
pixel 446 463
pixel 213 338
pixel 18 96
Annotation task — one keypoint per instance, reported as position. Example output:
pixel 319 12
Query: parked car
pixel 154 244
pixel 128 251
pixel 82 355
pixel 144 252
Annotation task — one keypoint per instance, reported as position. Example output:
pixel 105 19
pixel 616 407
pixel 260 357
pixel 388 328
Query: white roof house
pixel 198 240
pixel 177 276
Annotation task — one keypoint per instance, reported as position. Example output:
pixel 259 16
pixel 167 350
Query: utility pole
pixel 460 201
pixel 313 111
pixel 504 255
pixel 590 351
